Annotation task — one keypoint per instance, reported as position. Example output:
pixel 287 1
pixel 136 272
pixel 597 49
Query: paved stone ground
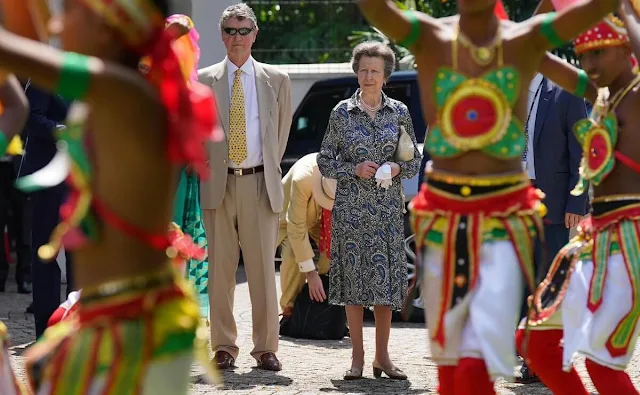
pixel 310 367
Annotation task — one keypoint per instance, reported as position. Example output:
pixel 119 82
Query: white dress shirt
pixel 252 113
pixel 531 125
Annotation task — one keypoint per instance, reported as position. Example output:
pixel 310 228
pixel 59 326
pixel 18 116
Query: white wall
pixel 206 15
pixel 304 75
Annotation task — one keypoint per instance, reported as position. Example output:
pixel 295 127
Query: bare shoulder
pixel 449 20
pixel 517 30
pixel 120 87
pixel 133 99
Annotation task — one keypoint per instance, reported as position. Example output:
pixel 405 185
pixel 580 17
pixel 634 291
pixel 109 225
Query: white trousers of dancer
pixel 483 324
pixel 587 333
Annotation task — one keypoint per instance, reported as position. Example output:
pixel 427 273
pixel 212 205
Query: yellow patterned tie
pixel 237 122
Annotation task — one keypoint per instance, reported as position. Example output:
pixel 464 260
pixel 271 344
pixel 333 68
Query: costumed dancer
pixel 135 327
pixel 306 216
pixel 15 110
pixel 588 302
pixel 187 214
pixel 477 213
pixel 9 383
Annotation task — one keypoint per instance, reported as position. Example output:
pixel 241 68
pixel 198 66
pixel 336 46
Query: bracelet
pixel 414 33
pixel 73 83
pixel 131 286
pixel 583 83
pixel 547 30
pixel 3 143
pixel 14 147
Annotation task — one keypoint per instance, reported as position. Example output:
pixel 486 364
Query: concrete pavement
pixel 309 367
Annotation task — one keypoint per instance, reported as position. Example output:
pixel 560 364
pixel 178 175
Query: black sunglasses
pixel 232 31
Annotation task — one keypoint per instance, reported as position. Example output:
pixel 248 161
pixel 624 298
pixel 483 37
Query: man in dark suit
pixel 46 116
pixel 551 159
pixel 12 201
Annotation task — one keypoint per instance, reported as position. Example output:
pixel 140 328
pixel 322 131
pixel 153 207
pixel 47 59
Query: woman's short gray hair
pixel 239 11
pixel 374 49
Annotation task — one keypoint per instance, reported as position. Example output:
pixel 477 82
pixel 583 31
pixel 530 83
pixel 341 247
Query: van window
pixel 407 92
pixel 399 91
pixel 312 119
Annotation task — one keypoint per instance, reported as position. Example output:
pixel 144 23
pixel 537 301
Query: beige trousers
pixel 291 279
pixel 244 220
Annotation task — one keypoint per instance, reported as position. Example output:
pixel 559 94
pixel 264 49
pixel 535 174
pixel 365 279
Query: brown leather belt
pixel 245 172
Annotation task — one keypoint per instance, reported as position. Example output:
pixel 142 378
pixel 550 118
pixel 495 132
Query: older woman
pixel 368 263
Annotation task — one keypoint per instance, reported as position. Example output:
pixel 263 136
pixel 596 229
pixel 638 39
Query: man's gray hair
pixel 239 11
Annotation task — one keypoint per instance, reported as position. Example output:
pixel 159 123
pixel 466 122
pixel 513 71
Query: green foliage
pixel 325 31
pixel 518 10
pixel 309 31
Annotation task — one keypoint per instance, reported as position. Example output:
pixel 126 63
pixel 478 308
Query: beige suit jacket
pixel 274 103
pixel 301 215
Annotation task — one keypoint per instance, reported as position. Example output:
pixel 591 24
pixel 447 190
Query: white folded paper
pixel 383 176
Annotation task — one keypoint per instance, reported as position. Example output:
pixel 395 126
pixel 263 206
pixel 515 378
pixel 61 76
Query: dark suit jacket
pixel 557 152
pixel 47 111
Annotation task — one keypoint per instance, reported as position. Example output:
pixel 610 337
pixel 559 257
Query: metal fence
pixel 301 32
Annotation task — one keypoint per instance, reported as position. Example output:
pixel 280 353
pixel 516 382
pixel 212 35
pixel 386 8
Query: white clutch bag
pixel 405 150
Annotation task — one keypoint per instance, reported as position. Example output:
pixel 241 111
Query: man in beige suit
pixel 308 201
pixel 243 197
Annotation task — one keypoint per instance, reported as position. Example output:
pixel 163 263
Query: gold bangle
pixel 132 284
pixel 615 198
pixel 476 181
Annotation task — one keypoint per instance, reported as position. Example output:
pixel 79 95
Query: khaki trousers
pixel 245 219
pixel 291 279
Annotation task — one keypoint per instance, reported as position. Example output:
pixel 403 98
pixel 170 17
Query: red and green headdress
pixel 190 106
pixel 610 32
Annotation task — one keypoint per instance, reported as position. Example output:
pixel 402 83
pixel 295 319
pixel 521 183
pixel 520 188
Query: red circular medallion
pixel 597 151
pixel 473 116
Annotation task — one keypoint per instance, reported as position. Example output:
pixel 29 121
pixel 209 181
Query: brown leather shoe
pixel 223 360
pixel 287 312
pixel 268 361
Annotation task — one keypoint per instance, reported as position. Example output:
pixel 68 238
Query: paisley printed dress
pixel 368 261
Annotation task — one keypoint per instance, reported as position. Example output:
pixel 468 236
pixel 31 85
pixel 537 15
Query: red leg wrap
pixel 544 357
pixel 471 378
pixel 446 380
pixel 609 381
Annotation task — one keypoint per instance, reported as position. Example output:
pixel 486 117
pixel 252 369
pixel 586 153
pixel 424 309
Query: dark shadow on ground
pixel 345 343
pixel 527 389
pixel 374 386
pixel 20 349
pixel 246 381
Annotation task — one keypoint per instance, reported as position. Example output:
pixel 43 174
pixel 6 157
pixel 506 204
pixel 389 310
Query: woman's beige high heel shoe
pixel 353 374
pixel 393 372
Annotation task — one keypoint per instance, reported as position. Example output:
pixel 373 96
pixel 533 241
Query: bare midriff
pixel 430 61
